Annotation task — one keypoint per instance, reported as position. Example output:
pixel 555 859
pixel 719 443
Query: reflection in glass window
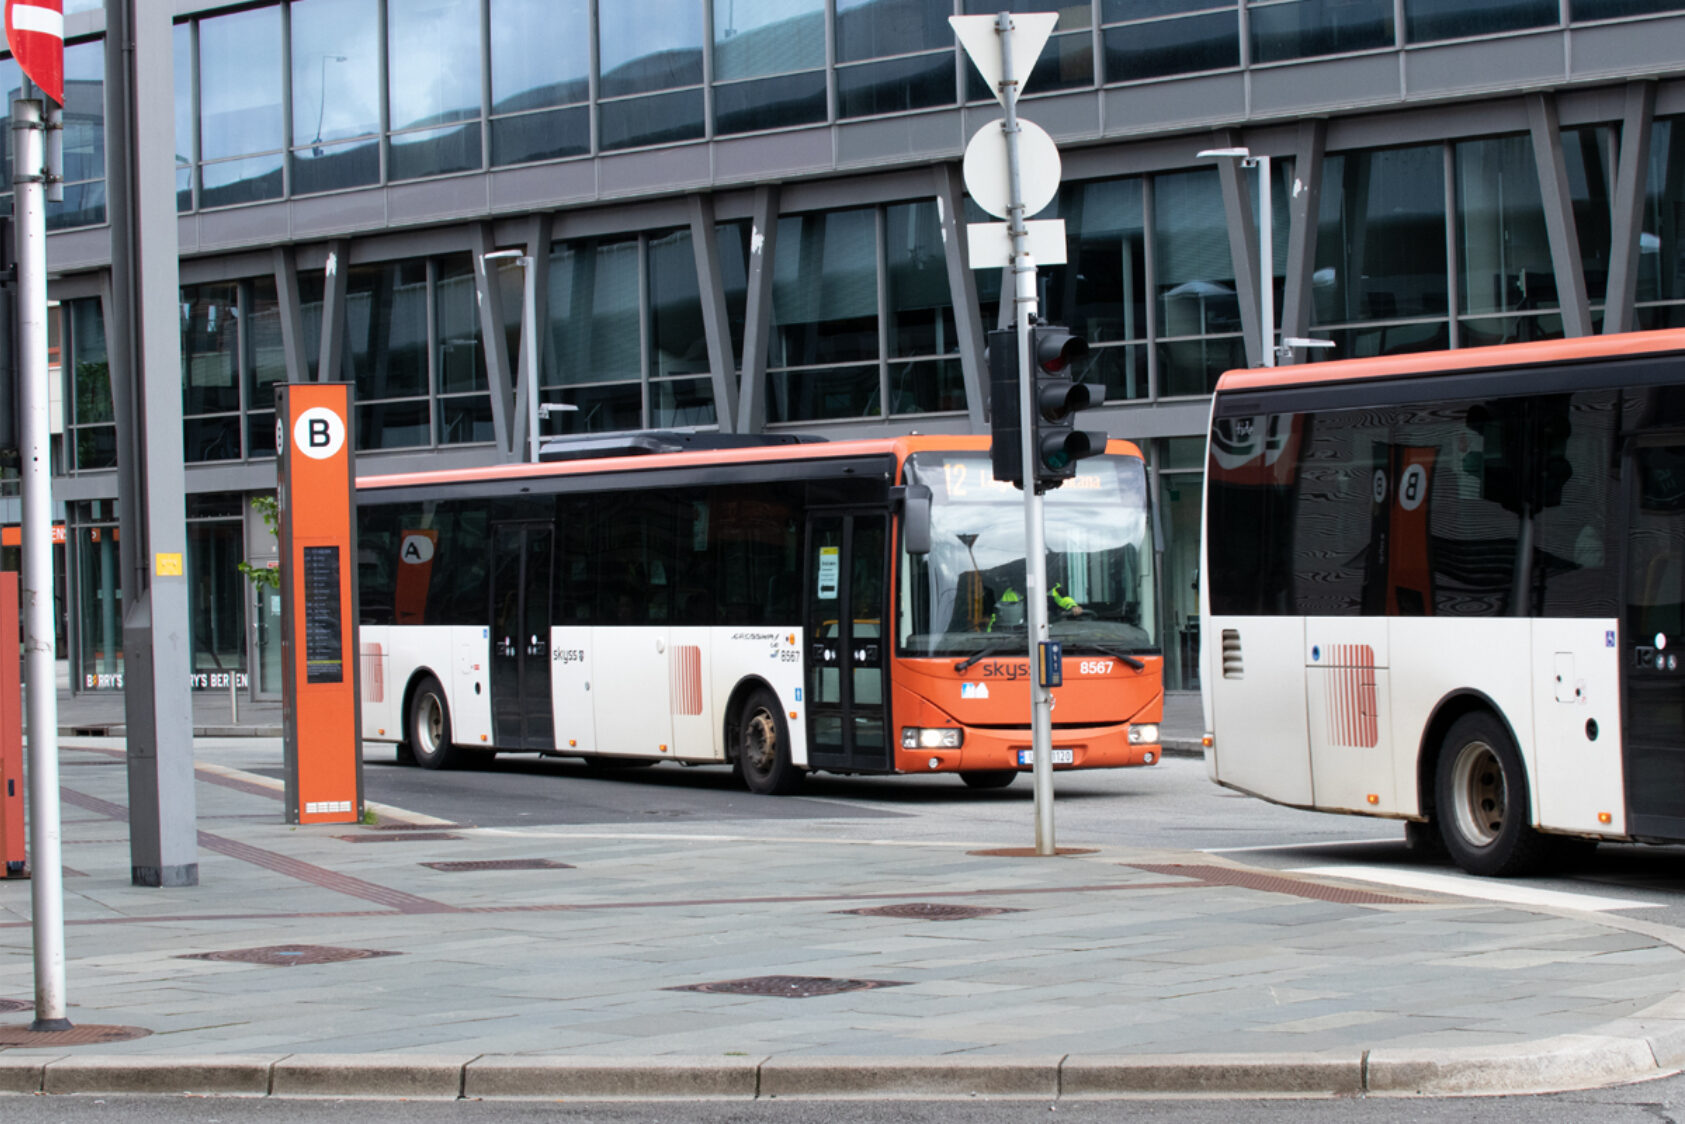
pixel 825 289
pixel 99 595
pixel 92 418
pixel 656 119
pixel 675 307
pixel 1380 246
pixel 1661 245
pixel 240 83
pixel 869 29
pixel 1067 62
pixel 210 363
pixel 648 45
pixel 755 38
pixel 921 315
pixel 434 79
pixel 769 103
pixel 464 401
pixel 1194 283
pixel 1614 9
pixel 336 93
pixel 1297 29
pixel 1586 154
pixel 186 146
pixel 1426 20
pixel 537 62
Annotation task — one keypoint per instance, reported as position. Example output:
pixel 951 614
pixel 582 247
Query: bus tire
pixel 1481 801
pixel 763 747
pixel 988 778
pixel 429 727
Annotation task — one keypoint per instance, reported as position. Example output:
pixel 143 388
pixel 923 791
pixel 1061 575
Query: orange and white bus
pixel 1448 588
pixel 778 607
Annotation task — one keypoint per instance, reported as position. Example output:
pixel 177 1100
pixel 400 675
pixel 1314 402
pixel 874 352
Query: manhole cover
pixel 501 864
pixel 286 955
pixel 87 1035
pixel 931 911
pixel 1030 852
pixel 15 1005
pixel 788 987
pixel 411 837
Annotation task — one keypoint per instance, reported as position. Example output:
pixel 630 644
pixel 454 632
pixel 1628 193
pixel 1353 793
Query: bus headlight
pixel 931 737
pixel 1144 734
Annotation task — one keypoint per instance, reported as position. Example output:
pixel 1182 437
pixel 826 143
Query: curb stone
pixel 407 1076
pixel 843 1077
pixel 606 1078
pixel 1574 1061
pixel 234 1074
pixel 1304 1075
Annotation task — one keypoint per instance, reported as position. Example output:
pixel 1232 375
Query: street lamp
pixel 1266 245
pixel 322 101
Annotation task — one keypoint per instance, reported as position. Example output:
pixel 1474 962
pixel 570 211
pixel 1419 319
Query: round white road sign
pixel 1038 168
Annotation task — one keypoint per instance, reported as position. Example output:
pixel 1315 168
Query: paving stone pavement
pixel 1116 972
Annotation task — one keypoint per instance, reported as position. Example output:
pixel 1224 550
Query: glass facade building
pixel 749 215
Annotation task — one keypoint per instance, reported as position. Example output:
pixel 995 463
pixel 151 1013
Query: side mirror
pixel 915 519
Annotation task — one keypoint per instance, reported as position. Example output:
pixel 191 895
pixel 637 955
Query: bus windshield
pixel 966 595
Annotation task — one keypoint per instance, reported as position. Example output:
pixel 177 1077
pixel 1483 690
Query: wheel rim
pixel 760 742
pixel 1478 793
pixel 430 725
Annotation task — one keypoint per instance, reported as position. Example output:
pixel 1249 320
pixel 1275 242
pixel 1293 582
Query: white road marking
pixel 1483 889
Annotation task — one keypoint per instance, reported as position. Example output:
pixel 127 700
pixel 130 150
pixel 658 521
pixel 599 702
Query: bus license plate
pixel 1060 757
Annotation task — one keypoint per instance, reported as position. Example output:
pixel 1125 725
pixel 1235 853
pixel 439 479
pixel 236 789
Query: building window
pixel 769 64
pixel 1380 285
pixel 1507 280
pixel 90 420
pixel 99 596
pixel 915 44
pixel 217 589
pixel 1295 29
pixel 1101 291
pixel 540 80
pixel 681 391
pixel 1661 245
pixel 1065 63
pixel 1428 20
pixel 210 372
pixel 650 85
pixel 1166 37
pixel 433 86
pixel 386 353
pixel 241 140
pixel 464 414
pixel 84 136
pixel 336 94
pixel 1194 283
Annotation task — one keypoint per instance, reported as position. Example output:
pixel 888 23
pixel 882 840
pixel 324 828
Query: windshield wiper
pixel 1134 664
pixel 992 650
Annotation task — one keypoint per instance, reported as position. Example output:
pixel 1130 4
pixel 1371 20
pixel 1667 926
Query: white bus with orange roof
pixel 1448 588
pixel 780 607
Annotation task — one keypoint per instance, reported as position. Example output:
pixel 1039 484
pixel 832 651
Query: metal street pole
pixel 1035 551
pixel 45 835
pixel 1266 260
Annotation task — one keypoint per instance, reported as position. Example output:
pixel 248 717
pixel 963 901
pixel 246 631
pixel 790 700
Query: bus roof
pixel 1582 349
pixel 899 447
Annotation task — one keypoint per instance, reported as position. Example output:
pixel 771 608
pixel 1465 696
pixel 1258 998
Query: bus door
pixel 847 640
pixel 521 717
pixel 1653 639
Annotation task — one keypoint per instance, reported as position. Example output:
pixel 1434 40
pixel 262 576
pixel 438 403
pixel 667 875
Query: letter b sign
pixel 319 433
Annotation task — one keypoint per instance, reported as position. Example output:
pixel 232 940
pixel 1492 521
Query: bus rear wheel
pixel 988 778
pixel 763 747
pixel 1482 805
pixel 429 727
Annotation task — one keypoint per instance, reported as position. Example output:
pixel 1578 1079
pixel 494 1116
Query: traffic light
pixel 1057 398
pixel 1006 446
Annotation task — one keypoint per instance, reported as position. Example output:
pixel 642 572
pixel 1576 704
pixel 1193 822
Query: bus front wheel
pixel 763 747
pixel 1482 803
pixel 988 778
pixel 429 727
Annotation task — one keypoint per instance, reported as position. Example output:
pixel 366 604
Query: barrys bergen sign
pixel 35 33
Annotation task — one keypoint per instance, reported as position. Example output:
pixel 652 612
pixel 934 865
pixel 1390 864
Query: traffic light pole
pixel 1035 550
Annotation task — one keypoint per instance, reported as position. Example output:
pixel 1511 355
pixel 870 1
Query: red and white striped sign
pixel 35 32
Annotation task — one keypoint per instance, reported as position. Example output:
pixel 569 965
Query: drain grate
pixel 500 864
pixel 413 837
pixel 288 955
pixel 1029 852
pixel 1276 884
pixel 88 1035
pixel 788 987
pixel 931 911
pixel 395 826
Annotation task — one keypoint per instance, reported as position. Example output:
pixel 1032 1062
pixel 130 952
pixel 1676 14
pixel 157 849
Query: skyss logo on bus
pixel 999 669
pixel 568 655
